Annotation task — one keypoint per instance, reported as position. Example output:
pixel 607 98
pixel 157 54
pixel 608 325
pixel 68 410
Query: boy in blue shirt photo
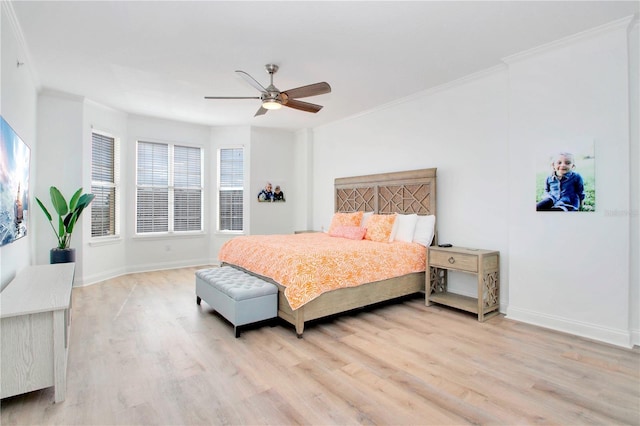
pixel 564 188
pixel 267 193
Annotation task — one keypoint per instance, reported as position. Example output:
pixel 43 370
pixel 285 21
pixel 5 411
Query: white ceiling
pixel 160 58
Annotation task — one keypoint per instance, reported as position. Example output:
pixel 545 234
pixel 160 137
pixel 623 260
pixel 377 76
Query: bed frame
pixel 399 192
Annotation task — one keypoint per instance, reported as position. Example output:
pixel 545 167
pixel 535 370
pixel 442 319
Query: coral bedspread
pixel 313 263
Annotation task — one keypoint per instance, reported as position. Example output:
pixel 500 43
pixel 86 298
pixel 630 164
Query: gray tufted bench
pixel 239 297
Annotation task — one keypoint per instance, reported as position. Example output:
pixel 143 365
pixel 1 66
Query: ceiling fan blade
pixel 310 90
pixel 252 81
pixel 261 111
pixel 302 106
pixel 232 97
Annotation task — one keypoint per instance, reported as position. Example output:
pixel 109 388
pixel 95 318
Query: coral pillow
pixel 345 219
pixel 379 227
pixel 350 232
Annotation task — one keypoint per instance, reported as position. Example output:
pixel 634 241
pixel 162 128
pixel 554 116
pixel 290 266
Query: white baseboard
pixel 591 331
pixel 169 265
pixel 99 277
pixel 105 275
pixel 635 337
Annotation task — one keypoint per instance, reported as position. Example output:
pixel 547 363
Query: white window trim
pixel 105 240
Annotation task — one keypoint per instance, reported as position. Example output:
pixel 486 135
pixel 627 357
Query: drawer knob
pixel 452 260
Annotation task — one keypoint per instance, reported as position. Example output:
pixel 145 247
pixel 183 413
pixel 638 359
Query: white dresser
pixel 35 318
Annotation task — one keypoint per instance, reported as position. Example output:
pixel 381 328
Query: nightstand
pixel 485 264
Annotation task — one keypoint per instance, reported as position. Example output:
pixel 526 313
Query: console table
pixel 34 329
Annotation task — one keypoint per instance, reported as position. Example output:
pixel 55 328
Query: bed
pixel 397 192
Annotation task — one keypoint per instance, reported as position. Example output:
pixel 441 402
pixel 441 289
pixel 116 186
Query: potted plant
pixel 68 215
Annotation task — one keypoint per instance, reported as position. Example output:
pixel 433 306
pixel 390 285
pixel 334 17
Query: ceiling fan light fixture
pixel 271 104
pixel 272 98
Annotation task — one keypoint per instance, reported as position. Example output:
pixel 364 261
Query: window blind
pixel 169 188
pixel 187 189
pixel 103 185
pixel 231 189
pixel 152 201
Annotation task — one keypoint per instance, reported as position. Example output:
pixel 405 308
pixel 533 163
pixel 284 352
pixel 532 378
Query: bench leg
pixel 236 330
pixel 299 328
pixel 198 300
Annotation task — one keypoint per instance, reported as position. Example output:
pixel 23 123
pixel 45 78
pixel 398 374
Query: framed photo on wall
pixel 565 179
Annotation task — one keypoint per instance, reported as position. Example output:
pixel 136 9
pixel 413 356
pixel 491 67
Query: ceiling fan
pixel 272 98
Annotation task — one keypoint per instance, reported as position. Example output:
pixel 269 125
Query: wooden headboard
pixel 398 192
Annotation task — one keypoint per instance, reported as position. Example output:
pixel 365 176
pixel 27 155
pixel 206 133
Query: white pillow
pixel 425 228
pixel 365 217
pixel 405 227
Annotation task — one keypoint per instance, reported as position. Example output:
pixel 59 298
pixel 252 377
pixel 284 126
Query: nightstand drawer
pixel 459 261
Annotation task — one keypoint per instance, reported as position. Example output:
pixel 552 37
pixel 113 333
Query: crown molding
pixel 634 22
pixel 55 93
pixel 622 23
pixel 423 93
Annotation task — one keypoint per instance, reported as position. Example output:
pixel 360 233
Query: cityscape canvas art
pixel 14 185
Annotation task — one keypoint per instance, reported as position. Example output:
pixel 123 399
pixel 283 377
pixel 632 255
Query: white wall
pixel 461 131
pixel 104 257
pixel 65 123
pixel 634 160
pixel 270 155
pixel 303 170
pixel 272 159
pixel 570 272
pixel 161 252
pixel 18 95
pixel 228 137
pixel 59 163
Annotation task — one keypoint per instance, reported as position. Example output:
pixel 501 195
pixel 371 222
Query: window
pixel 187 213
pixel 230 189
pixel 104 185
pixel 169 188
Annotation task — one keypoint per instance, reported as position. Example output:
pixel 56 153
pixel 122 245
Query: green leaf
pixel 84 201
pixel 61 227
pixel 59 203
pixel 74 200
pixel 44 209
pixel 70 221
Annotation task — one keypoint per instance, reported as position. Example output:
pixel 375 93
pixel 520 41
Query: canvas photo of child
pixel 565 181
pixel 271 194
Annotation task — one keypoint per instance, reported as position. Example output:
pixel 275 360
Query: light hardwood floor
pixel 143 352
